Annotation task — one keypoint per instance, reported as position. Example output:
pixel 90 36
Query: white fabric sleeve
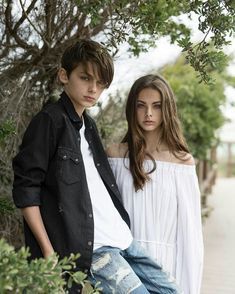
pixel 189 257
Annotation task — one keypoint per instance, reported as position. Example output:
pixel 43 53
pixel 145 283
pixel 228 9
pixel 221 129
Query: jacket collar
pixel 74 117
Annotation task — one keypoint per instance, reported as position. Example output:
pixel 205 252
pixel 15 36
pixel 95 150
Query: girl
pixel 157 179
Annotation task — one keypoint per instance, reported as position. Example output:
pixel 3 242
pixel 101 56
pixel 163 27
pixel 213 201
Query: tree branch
pixel 33 26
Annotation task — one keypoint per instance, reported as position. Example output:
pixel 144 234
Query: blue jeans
pixel 129 271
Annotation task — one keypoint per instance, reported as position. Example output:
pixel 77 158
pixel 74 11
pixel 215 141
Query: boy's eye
pixel 85 78
pixel 102 84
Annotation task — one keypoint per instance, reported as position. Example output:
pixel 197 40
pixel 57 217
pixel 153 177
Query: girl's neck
pixel 153 143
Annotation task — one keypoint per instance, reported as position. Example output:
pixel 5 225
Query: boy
pixel 66 190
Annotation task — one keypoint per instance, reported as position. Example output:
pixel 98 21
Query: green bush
pixel 17 275
pixel 199 105
pixel 6 206
pixel 7 128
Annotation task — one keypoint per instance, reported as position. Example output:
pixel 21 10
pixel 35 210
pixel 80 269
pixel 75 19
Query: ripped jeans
pixel 129 271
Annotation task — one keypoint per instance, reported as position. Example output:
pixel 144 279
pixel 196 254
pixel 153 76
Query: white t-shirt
pixel 109 227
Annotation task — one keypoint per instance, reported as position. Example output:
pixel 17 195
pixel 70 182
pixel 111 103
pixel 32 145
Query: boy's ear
pixel 62 76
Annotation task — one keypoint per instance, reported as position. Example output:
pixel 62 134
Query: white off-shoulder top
pixel 166 217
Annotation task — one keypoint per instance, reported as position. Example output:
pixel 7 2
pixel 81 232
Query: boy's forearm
pixel 32 215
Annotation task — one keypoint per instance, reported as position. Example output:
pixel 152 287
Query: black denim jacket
pixel 49 172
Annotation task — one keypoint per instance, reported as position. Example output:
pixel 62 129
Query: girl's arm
pixel 189 263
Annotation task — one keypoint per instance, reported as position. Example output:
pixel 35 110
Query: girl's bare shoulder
pixel 180 157
pixel 117 150
pixel 186 158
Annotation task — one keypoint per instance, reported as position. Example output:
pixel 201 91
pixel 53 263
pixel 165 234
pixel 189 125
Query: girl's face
pixel 149 113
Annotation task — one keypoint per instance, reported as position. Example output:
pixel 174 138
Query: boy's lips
pixel 90 98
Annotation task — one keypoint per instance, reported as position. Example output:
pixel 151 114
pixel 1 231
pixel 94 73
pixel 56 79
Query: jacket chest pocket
pixel 69 165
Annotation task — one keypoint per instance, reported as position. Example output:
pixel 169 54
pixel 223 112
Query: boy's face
pixel 83 86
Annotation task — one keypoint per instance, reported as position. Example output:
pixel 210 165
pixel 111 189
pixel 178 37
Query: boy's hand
pixel 47 253
pixel 52 258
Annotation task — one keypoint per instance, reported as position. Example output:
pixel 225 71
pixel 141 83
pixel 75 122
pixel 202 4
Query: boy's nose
pixel 93 86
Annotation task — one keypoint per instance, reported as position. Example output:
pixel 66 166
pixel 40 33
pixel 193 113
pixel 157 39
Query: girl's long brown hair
pixel 170 130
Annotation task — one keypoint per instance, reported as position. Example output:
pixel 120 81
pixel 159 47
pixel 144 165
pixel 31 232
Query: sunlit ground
pixel 219 240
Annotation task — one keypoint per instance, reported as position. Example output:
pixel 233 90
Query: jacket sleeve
pixel 189 260
pixel 31 163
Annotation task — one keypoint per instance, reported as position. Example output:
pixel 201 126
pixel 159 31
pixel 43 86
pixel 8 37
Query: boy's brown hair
pixel 85 51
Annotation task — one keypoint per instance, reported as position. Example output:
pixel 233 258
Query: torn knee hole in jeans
pixel 121 278
pixel 101 262
pixel 117 277
pixel 120 274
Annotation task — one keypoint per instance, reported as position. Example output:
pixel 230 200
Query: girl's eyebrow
pixel 155 102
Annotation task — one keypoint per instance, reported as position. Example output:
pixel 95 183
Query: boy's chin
pixel 91 105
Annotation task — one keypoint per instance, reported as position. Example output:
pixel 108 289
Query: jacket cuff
pixel 26 196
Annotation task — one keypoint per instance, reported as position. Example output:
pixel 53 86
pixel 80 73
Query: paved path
pixel 219 240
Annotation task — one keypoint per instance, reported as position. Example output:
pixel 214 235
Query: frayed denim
pixel 129 271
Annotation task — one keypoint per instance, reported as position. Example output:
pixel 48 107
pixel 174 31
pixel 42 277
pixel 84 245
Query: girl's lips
pixel 149 122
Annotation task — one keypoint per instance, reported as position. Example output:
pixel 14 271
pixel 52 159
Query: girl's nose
pixel 149 112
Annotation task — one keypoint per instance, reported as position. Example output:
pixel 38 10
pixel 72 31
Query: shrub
pixel 17 275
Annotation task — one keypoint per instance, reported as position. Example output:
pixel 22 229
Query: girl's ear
pixel 62 76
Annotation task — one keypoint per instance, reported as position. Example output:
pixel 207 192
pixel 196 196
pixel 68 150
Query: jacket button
pixel 112 185
pixel 64 157
pixel 97 164
pixel 90 215
pixel 86 271
pixel 76 159
pixel 89 243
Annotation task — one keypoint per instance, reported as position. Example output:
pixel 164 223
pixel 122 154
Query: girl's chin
pixel 150 130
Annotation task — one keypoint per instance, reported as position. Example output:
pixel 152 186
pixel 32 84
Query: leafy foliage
pixel 198 106
pixel 7 128
pixel 142 22
pixel 112 117
pixel 6 206
pixel 17 275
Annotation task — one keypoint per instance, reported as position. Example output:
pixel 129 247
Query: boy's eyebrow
pixel 90 75
pixel 86 73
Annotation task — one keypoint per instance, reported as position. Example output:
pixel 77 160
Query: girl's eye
pixel 139 105
pixel 157 106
